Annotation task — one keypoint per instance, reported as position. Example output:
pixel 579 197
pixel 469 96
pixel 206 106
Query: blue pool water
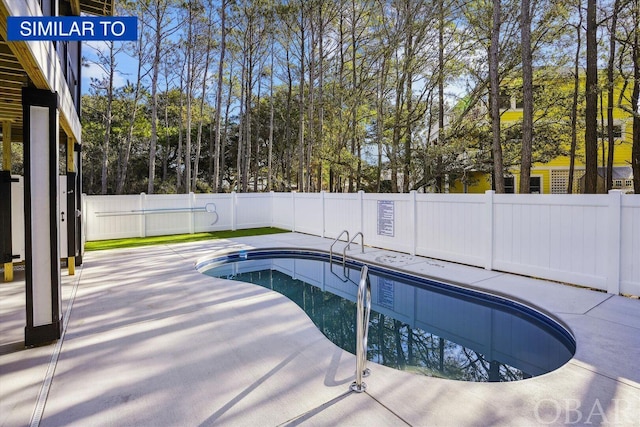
pixel 416 324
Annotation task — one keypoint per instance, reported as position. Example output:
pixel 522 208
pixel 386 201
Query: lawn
pixel 178 238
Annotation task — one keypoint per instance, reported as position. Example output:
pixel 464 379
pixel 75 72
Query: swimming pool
pixel 417 324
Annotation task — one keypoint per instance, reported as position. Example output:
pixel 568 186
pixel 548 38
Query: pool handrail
pixel 331 253
pixel 344 252
pixel 362 329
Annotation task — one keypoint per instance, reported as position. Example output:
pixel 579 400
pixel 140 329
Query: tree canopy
pixel 347 95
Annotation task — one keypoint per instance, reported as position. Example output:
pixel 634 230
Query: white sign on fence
pixel 386 218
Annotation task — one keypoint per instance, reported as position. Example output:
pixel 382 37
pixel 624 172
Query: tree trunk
pixel 610 88
pixel 225 128
pixel 271 117
pixel 494 79
pixel 382 82
pixel 196 161
pixel 440 140
pixel 108 118
pixel 635 99
pixel 180 131
pixel 591 113
pixel 256 164
pixel 310 137
pixel 287 125
pixel 189 95
pixel 155 71
pixel 223 48
pixel 397 130
pixel 527 97
pixel 409 52
pixel 320 136
pixel 354 102
pixel 248 139
pixel 132 119
pixel 574 103
pixel 165 157
pixel 301 102
pixel 240 126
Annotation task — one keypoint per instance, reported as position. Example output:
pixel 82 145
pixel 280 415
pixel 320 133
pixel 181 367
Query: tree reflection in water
pixel 391 342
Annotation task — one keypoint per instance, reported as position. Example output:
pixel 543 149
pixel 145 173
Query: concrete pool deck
pixel 152 342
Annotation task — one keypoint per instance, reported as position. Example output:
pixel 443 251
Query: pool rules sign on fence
pixel 386 218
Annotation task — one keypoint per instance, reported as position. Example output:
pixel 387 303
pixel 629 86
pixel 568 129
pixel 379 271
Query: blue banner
pixel 72 28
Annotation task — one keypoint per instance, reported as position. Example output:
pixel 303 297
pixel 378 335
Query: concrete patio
pixel 150 341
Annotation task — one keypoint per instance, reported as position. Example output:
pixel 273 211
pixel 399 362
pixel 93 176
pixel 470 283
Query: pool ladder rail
pixel 345 274
pixel 362 330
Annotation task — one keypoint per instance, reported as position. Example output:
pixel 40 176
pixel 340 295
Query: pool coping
pixel 135 308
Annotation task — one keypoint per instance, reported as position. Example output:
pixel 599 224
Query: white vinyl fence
pixel 589 240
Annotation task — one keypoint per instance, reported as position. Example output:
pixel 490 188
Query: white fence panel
pixel 212 212
pixel 113 217
pixel 308 213
pixel 253 210
pixel 282 210
pixel 555 237
pixel 452 227
pixel 589 240
pixel 630 246
pixel 167 214
pixel 398 234
pixel 342 211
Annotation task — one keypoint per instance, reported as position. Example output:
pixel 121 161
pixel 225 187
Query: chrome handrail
pixel 331 249
pixel 362 329
pixel 344 252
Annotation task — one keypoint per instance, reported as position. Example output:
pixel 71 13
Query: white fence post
pixel 83 218
pixel 613 246
pixel 414 221
pixel 361 197
pixel 192 213
pixel 293 211
pixel 273 206
pixel 323 217
pixel 143 215
pixel 234 201
pixel 489 229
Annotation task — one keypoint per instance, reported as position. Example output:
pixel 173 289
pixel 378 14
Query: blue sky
pixel 126 66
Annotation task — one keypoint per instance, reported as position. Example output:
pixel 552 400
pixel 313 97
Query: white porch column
pixel 40 118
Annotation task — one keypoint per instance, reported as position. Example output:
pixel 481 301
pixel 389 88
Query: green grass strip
pixel 178 238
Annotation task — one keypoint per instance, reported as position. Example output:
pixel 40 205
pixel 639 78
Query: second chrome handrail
pixel 362 330
pixel 331 254
pixel 336 241
pixel 344 252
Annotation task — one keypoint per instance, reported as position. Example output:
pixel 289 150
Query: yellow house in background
pixel 552 177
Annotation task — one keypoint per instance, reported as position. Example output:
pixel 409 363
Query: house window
pixel 617 183
pixel 628 183
pixel 519 101
pixel 535 185
pixel 509 184
pixel 505 101
pixel 617 132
